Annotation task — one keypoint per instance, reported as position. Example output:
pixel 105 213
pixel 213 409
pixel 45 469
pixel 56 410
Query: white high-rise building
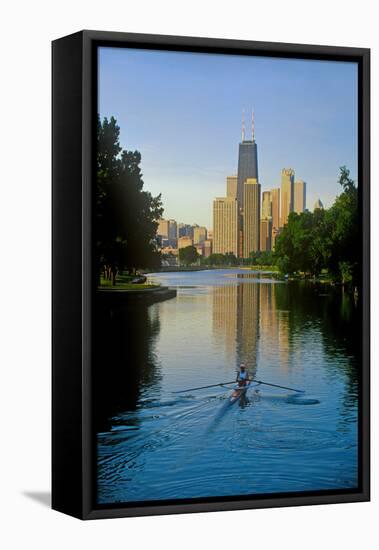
pixel 199 234
pixel 299 196
pixel 288 176
pixel 163 228
pixel 266 204
pixel 225 225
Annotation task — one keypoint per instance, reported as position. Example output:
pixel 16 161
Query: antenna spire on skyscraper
pixel 243 124
pixel 252 126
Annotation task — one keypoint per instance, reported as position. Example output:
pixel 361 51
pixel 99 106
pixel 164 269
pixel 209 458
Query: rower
pixel 242 376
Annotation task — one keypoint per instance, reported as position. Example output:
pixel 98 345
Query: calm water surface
pixel 153 444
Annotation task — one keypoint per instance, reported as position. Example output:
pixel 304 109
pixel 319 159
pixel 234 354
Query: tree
pixel 304 243
pixel 230 259
pixel 320 245
pixel 126 215
pixel 345 256
pixel 221 259
pixel 253 257
pixel 293 245
pixel 188 255
pixel 325 239
pixel 216 259
pixel 263 257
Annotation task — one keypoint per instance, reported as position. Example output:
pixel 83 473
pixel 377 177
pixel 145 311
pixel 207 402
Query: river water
pixel 154 444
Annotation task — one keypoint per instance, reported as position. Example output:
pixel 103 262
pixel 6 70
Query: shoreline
pixel 119 296
pixel 260 269
pixel 178 269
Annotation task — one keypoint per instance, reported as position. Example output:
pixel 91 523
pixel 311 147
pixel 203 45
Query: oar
pixel 233 382
pixel 277 386
pixel 204 387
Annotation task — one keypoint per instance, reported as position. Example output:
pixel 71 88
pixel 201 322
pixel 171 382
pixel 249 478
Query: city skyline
pixel 246 220
pixel 181 111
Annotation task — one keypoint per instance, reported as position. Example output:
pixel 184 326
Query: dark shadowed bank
pixel 118 297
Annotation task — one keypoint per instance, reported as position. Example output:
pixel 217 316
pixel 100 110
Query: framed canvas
pixel 210 274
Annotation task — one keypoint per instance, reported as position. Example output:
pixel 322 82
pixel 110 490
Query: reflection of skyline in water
pixel 255 322
pixel 297 335
pixel 287 325
pixel 248 325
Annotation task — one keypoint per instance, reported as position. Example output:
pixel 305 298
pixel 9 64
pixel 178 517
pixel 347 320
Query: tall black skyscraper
pixel 247 160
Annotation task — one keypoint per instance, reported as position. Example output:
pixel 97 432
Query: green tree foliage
pixel 215 259
pixel 263 257
pixel 324 239
pixel 295 248
pixel 228 259
pixel 126 215
pixel 345 235
pixel 188 255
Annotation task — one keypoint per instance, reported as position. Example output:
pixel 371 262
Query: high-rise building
pixel 266 204
pixel 184 230
pixel 207 248
pixel 183 242
pixel 318 204
pixel 163 228
pixel 225 225
pixel 172 232
pixel 199 234
pixel 288 176
pixel 247 161
pixel 181 230
pixel 265 234
pixel 251 216
pixel 168 232
pixel 231 186
pixel 299 196
pixel 275 207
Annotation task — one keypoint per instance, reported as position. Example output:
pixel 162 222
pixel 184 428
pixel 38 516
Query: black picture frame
pixel 74 113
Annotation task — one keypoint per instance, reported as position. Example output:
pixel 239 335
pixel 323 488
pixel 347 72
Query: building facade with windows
pixel 225 225
pixel 251 216
pixel 288 177
pixel 299 196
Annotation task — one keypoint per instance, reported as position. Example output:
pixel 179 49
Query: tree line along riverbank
pixel 323 245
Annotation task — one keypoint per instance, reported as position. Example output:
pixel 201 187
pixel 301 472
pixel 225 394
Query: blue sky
pixel 183 112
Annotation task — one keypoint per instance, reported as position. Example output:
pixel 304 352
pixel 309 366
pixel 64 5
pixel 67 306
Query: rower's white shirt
pixel 242 375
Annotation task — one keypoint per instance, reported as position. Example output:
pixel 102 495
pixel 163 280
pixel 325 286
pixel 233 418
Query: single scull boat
pixel 237 393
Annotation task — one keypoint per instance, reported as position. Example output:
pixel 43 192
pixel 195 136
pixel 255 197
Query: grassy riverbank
pixel 123 282
pixel 325 278
pixel 263 268
pixel 179 268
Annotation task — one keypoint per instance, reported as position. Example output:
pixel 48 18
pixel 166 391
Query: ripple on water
pixel 284 438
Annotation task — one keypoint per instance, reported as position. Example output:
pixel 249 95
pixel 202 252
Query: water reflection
pixel 125 364
pixel 261 321
pixel 327 319
pixel 254 321
pixel 248 323
pixel 155 444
